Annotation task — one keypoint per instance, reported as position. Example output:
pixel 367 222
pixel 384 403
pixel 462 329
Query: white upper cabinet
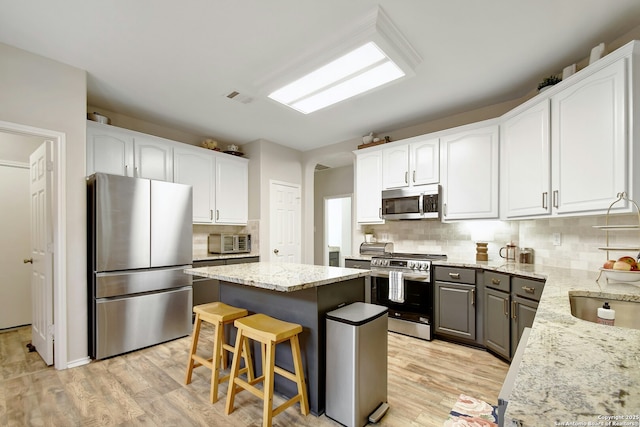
pixel 123 152
pixel 232 190
pixel 414 162
pixel 589 141
pixel 109 150
pixel 153 158
pixel 571 153
pixel 526 162
pixel 470 173
pixel 220 181
pixel 368 186
pixel 196 167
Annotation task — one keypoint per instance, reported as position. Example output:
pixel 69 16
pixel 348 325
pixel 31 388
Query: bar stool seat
pixel 218 314
pixel 269 332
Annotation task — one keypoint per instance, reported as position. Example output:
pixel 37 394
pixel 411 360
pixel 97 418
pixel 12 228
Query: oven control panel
pixel 401 264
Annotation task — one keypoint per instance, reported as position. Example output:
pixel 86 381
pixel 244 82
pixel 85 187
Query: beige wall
pixel 46 94
pixel 329 182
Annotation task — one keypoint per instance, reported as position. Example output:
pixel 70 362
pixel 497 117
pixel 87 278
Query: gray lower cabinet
pixel 523 311
pixel 455 303
pixel 497 315
pixel 497 324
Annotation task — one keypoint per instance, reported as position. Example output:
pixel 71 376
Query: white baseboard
pixel 78 362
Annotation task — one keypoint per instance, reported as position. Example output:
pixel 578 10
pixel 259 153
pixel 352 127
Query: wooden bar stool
pixel 219 315
pixel 269 332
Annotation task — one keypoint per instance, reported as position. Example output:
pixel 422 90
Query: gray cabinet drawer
pixel 456 275
pixel 497 281
pixel 527 288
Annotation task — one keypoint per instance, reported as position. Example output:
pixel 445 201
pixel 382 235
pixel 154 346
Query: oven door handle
pixel 406 276
pixel 421 204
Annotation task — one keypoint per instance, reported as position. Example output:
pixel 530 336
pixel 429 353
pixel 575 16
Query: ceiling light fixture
pixel 377 54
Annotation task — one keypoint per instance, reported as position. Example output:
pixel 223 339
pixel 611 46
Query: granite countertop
pixel 573 372
pixel 282 277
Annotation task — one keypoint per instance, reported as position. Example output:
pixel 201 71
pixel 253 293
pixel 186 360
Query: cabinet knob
pixel 275 251
pixel 495 281
pixel 28 260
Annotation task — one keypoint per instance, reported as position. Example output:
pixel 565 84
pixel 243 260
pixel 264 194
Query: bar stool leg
pixel 235 367
pixel 297 364
pixel 194 345
pixel 269 360
pixel 215 361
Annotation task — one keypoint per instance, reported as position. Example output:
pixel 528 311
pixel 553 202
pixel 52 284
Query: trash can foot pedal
pixel 378 413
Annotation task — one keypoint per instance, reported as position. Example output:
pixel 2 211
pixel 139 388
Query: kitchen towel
pixel 396 286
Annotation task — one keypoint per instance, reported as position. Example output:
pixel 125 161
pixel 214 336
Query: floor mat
pixel 472 412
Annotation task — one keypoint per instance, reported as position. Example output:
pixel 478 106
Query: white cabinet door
pixel 526 162
pixel 109 150
pixel 395 167
pixel 153 158
pixel 588 125
pixel 195 166
pixel 424 162
pixel 369 187
pixel 470 171
pixel 415 163
pixel 232 190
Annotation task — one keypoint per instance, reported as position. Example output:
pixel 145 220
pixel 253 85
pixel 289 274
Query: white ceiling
pixel 173 62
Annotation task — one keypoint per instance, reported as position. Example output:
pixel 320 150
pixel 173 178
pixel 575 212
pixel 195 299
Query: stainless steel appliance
pixel 421 202
pixel 139 235
pixel 356 373
pixel 403 283
pixel 229 243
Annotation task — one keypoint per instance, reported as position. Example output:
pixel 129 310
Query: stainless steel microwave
pixel 229 243
pixel 421 202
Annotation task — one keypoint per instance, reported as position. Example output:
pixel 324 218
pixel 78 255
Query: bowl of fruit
pixel 625 270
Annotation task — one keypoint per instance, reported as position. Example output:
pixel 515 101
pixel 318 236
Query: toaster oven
pixel 229 243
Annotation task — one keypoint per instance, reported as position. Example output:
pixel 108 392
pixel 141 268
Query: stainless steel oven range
pixel 403 283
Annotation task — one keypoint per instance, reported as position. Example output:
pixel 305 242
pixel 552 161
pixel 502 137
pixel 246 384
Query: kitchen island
pixel 296 293
pixel 573 372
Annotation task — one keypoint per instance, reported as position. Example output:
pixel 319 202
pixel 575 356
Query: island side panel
pixel 306 307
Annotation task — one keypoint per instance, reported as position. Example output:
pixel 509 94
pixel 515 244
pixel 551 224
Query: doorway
pixel 18 134
pixel 337 229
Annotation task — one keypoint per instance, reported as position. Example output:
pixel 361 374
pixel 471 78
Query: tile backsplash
pixel 202 231
pixel 578 248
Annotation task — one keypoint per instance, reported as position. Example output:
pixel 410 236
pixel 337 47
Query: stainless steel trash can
pixel 356 368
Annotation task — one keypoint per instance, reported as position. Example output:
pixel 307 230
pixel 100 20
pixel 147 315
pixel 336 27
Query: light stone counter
pixel 574 371
pixel 282 277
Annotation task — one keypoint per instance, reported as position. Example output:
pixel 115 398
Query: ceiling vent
pixel 237 96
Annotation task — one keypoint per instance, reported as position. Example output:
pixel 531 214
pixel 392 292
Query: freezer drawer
pixel 129 323
pixel 122 283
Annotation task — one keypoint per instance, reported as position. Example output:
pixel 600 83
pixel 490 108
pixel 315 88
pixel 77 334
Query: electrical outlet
pixel 557 239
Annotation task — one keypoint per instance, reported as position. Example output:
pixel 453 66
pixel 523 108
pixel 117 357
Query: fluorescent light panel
pixel 360 70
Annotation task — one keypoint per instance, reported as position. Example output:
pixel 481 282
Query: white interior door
pixel 284 236
pixel 15 284
pixel 41 166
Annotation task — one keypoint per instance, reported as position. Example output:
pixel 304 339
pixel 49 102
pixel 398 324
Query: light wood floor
pixel 146 387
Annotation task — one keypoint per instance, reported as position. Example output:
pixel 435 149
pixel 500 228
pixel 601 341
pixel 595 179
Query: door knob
pixel 275 251
pixel 28 260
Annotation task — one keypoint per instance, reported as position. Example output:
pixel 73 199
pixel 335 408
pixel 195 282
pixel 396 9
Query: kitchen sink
pixel 586 308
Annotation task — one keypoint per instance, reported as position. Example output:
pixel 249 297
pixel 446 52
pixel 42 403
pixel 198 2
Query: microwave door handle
pixel 421 204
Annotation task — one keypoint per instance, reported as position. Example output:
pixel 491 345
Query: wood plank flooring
pixel 146 387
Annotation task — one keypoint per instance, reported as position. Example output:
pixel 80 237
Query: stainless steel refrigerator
pixel 139 235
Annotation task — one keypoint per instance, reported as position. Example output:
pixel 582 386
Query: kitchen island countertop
pixel 573 371
pixel 282 277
